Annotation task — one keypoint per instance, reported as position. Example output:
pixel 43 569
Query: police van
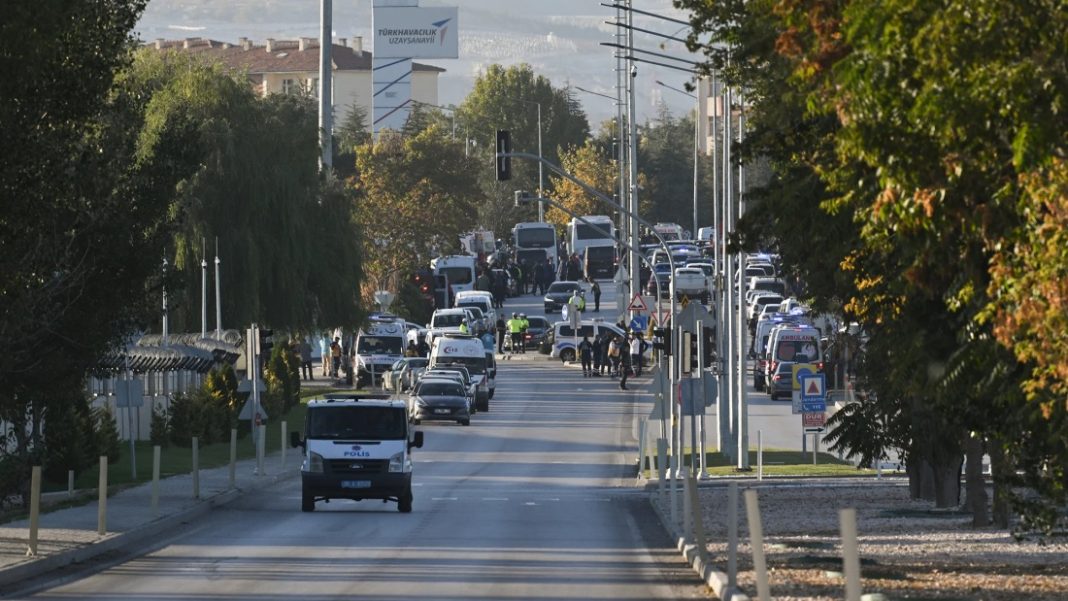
pixel 356 446
pixel 566 339
pixel 378 346
pixel 466 351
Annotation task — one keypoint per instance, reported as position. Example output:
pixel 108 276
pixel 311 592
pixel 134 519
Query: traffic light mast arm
pixel 519 198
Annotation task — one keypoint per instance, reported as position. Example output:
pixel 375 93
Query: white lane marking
pixel 494 498
pixel 529 503
pixel 554 499
pixel 443 498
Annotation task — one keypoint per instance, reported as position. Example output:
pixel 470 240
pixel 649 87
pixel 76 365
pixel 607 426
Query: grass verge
pixel 777 462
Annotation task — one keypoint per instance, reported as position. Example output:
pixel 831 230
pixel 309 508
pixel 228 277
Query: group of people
pixel 516 328
pixel 618 356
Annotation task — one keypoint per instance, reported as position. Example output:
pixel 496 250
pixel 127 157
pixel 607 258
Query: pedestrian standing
pixel 613 356
pixel 595 288
pixel 501 328
pixel 636 354
pixel 515 328
pixel 306 358
pixel 624 367
pixel 335 357
pixel 324 353
pixel 585 350
pixel 598 351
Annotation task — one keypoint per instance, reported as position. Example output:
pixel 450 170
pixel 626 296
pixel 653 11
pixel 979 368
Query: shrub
pixel 158 432
pixel 107 434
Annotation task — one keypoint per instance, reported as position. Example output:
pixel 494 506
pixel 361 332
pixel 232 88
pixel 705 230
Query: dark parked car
pixel 558 294
pixel 439 399
pixel 537 332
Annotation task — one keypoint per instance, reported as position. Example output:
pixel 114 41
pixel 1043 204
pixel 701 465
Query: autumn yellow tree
pixel 589 164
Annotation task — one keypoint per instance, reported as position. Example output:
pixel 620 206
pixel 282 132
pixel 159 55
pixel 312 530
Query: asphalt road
pixel 535 500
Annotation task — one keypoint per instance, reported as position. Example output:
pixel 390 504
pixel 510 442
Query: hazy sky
pixel 560 39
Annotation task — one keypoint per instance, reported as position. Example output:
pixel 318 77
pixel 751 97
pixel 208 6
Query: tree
pixel 86 200
pixel 503 98
pixel 290 256
pixel 590 165
pixel 417 195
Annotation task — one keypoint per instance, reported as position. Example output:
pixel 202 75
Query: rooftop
pixel 279 56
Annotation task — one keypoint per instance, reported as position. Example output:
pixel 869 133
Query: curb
pixel 714 578
pixel 33 568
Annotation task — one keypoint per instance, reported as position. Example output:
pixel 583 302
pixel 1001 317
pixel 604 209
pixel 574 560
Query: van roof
pixel 357 400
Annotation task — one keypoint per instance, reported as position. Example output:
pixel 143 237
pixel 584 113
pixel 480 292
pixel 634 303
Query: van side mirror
pixel 417 441
pixel 294 440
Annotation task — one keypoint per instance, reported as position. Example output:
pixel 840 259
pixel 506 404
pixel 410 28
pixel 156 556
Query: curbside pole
pixel 641 448
pixel 155 480
pixel 233 458
pixel 283 444
pixel 850 556
pixel 698 522
pixel 102 498
pixel 760 455
pixel 732 536
pixel 261 445
pixel 661 466
pixel 70 483
pixel 196 468
pixel 35 509
pixel 687 506
pixel 756 541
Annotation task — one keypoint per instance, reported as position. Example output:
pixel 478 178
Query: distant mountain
pixel 560 39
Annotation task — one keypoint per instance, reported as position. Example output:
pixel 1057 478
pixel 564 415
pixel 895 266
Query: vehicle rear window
pixel 797 350
pixel 439 389
pixel 356 423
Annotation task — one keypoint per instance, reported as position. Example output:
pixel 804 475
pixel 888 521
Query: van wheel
pixel 307 502
pixel 567 355
pixel 404 503
pixel 465 422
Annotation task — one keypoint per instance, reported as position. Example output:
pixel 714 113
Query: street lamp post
pixel 696 143
pixel 541 172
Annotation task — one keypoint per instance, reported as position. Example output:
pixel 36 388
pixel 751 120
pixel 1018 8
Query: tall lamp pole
pixel 326 115
pixel 696 143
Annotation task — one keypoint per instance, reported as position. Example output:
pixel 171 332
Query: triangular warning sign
pixel 637 304
pixel 813 388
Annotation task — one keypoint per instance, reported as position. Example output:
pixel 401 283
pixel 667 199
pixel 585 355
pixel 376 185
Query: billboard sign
pixel 416 32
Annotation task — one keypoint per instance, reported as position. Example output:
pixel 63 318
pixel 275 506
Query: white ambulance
pixel 467 351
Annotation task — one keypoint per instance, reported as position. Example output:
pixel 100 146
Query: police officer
pixel 515 329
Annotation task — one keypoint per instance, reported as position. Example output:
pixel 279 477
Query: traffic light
pixel 503 163
pixel 423 280
pixel 266 341
pixel 662 340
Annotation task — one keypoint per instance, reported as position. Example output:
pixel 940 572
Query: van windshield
pixel 379 345
pixel 447 320
pixel 456 275
pixel 357 423
pixel 535 237
pixel 474 365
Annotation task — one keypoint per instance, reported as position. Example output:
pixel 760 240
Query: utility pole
pixel 218 294
pixel 326 117
pixel 203 290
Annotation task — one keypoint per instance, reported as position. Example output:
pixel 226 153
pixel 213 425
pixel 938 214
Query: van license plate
pixel 355 484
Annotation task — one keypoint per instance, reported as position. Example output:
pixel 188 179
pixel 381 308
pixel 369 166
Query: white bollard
pixel 641 448
pixel 756 541
pixel 102 498
pixel 760 455
pixel 233 458
pixel 698 523
pixel 155 480
pixel 196 468
pixel 70 483
pixel 732 535
pixel 283 444
pixel 687 508
pixel 661 466
pixel 850 556
pixel 35 509
pixel 261 445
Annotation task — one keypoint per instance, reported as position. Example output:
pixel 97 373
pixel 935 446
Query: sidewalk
pixel 69 535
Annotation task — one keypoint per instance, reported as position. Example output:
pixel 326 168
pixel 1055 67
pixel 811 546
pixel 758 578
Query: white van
pixel 356 447
pixel 565 339
pixel 458 270
pixel 482 300
pixel 792 344
pixel 378 346
pixel 466 351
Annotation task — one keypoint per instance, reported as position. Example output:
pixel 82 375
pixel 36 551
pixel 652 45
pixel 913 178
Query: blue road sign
pixel 813 406
pixel 639 323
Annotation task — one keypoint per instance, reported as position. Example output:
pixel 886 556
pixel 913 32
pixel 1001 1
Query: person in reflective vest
pixel 515 328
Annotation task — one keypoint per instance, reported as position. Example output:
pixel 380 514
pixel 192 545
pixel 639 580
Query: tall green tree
pixel 506 98
pixel 289 248
pixel 86 198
